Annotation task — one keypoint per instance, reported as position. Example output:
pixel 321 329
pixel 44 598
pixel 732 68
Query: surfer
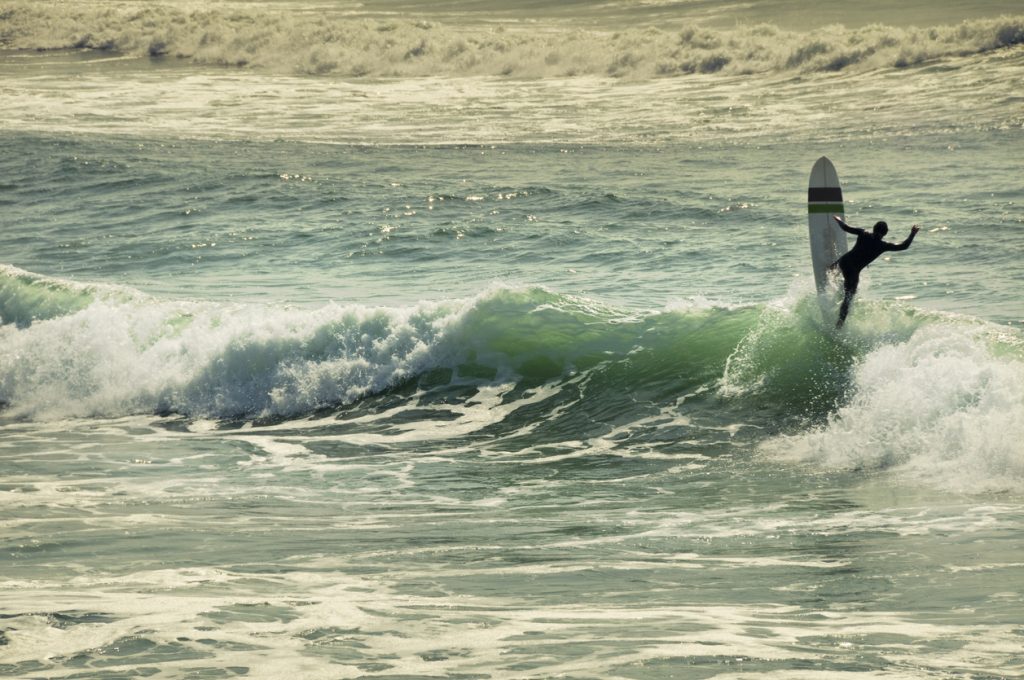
pixel 869 246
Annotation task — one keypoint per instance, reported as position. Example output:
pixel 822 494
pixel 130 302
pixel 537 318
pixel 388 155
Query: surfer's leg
pixel 844 308
pixel 850 281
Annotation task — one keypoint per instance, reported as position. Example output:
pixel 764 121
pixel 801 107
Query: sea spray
pixel 790 358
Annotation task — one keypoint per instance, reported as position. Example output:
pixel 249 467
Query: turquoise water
pixel 480 354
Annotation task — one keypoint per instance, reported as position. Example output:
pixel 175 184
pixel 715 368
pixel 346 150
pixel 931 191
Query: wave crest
pixel 115 355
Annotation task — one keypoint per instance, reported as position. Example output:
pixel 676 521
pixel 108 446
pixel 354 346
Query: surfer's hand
pixel 914 229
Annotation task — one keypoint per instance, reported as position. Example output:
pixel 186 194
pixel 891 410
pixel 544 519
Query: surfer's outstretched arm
pixel 846 227
pixel 907 241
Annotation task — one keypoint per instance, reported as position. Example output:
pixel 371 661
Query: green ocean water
pixel 512 369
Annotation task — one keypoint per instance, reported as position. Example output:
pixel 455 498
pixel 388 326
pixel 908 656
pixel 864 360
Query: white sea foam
pixel 115 357
pixel 944 407
pixel 319 43
pixel 234 620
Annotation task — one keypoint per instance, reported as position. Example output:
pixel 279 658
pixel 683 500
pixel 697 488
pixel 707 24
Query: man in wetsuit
pixel 868 247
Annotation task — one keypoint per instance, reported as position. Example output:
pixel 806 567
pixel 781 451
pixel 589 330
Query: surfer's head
pixel 880 229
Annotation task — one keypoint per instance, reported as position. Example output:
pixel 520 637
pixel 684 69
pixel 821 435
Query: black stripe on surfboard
pixel 825 194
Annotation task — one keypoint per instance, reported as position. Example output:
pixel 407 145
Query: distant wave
pixel 245 36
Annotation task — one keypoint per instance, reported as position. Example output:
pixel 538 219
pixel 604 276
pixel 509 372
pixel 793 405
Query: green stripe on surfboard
pixel 825 208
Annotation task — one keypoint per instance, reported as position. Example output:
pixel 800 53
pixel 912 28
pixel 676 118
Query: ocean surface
pixel 479 340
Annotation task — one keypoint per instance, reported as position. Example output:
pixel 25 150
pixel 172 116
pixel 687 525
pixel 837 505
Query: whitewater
pixel 477 340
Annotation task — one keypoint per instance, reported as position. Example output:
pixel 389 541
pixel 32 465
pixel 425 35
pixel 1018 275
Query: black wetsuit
pixel 865 251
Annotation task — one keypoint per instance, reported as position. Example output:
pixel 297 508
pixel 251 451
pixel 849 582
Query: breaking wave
pixel 943 406
pixel 924 394
pixel 311 43
pixel 73 350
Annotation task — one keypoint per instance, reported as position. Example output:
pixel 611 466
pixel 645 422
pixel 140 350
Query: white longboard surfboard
pixel 828 241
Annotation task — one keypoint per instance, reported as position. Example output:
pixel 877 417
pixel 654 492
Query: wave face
pixel 324 43
pixel 928 395
pixel 70 352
